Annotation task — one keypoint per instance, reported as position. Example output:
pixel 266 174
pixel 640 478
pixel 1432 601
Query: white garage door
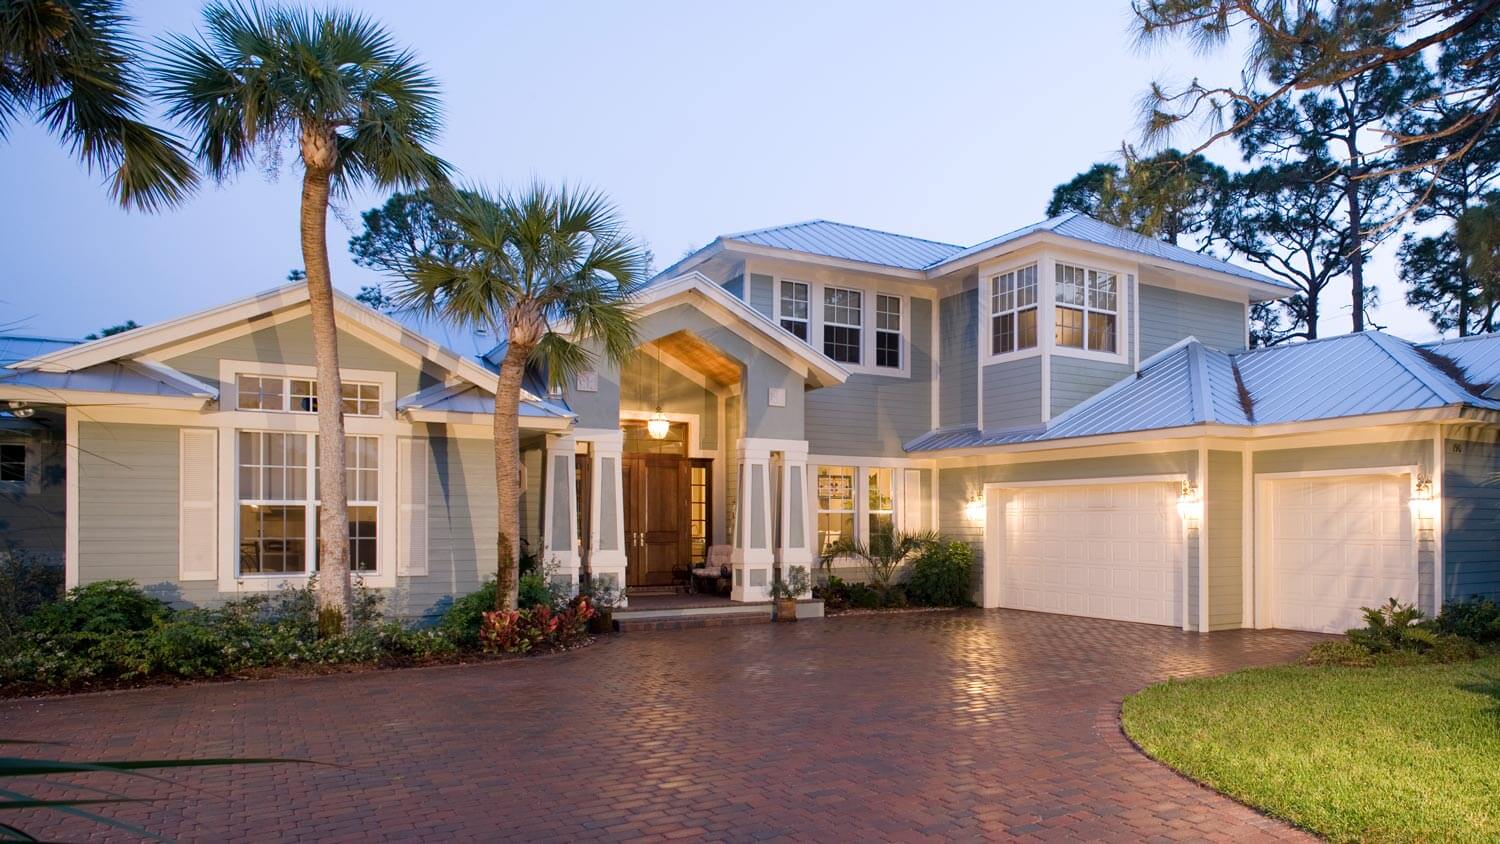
pixel 1106 551
pixel 1338 544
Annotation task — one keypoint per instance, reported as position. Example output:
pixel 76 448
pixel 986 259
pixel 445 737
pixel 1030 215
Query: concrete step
pixel 691 622
pixel 714 614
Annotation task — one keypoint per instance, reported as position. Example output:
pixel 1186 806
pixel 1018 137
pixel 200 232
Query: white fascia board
pixel 525 423
pixel 78 398
pixel 823 260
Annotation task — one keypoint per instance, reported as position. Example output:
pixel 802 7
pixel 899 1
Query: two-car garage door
pixel 1106 551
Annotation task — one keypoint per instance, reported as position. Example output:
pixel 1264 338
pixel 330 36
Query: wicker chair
pixel 715 568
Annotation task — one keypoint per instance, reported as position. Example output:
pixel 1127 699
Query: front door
pixel 656 517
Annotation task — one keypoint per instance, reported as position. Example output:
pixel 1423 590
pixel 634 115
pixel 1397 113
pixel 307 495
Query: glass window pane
pixel 835 488
pixel 881 484
pixel 833 527
pixel 1069 285
pixel 842 344
pixel 1102 332
pixel 797 327
pixel 1026 329
pixel 888 349
pixel 1069 328
pixel 887 313
pixel 1026 286
pixel 304 395
pixel 256 393
pixel 1003 334
pixel 273 540
pixel 1101 290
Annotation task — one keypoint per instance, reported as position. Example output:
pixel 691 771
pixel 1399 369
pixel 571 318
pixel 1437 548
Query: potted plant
pixel 604 597
pixel 785 591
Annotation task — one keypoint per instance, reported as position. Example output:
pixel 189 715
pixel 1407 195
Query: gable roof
pixel 1190 384
pixel 930 258
pixel 129 350
pixel 19 347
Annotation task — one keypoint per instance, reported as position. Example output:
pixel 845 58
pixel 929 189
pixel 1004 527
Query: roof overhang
pixel 79 398
pixel 700 291
pixel 762 251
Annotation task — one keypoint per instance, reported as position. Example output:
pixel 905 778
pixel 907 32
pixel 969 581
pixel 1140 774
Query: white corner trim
pixel 1439 518
pixel 70 484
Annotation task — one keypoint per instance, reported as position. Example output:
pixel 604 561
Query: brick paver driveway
pixel 909 727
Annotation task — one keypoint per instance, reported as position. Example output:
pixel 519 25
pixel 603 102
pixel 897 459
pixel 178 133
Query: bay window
pixel 843 319
pixel 835 505
pixel 1087 309
pixel 794 308
pixel 888 331
pixel 278 502
pixel 1013 310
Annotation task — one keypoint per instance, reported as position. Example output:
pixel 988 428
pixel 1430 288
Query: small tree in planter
pixel 883 555
pixel 786 590
pixel 604 597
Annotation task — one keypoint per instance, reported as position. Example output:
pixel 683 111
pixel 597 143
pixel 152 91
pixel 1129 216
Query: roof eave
pixel 762 251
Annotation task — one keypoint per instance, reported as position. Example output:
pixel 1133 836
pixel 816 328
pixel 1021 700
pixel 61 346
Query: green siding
pixel 1225 514
pixel 1471 549
pixel 33 515
pixel 958 350
pixel 1012 394
pixel 291 343
pixel 1075 379
pixel 1170 315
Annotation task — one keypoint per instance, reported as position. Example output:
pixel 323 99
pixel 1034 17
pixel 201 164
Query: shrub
pixel 540 627
pixel 942 576
pixel 533 590
pixel 1342 652
pixel 26 585
pixel 462 620
pixel 1476 619
pixel 108 606
pixel 1394 626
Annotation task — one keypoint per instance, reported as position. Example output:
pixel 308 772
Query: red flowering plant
pixel 521 631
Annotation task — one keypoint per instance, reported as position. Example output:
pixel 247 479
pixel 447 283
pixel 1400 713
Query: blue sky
pixel 944 120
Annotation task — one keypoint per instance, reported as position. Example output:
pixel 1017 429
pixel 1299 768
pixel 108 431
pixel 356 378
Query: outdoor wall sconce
pixel 1189 502
pixel 1423 502
pixel 974 509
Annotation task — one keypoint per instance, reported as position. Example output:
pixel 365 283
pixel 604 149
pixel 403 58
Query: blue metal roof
pixel 1191 384
pixel 19 347
pixel 853 243
pixel 870 246
pixel 1478 356
pixel 122 376
pixel 464 397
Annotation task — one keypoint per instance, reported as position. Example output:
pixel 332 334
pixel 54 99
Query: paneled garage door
pixel 1106 551
pixel 1338 544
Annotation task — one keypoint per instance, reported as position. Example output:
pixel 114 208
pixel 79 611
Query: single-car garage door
pixel 1101 550
pixel 1338 544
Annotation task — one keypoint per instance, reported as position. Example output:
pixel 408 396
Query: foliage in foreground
pixel 538 628
pixel 939 575
pixel 111 632
pixel 1388 753
pixel 1396 634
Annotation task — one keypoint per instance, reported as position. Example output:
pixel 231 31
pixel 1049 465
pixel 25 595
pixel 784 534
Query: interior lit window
pixel 279 505
pixel 1013 310
pixel 1087 309
pixel 835 505
pixel 882 500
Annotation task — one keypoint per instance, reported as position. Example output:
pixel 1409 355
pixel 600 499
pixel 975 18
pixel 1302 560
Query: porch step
pixel 717 613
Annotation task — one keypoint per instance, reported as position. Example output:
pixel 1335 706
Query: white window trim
pixel 776 305
pixel 1119 355
pixel 1047 312
pixel 866 365
pixel 230 421
pixel 902 315
pixel 814 499
pixel 31 467
pixel 861 512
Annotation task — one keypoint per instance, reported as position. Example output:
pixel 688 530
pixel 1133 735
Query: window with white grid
pixel 843 320
pixel 1013 310
pixel 1087 309
pixel 794 308
pixel 888 331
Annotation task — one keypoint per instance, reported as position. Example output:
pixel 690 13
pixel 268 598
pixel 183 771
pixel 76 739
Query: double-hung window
pixel 278 501
pixel 1013 310
pixel 1087 309
pixel 835 505
pixel 881 510
pixel 794 308
pixel 300 395
pixel 843 319
pixel 887 331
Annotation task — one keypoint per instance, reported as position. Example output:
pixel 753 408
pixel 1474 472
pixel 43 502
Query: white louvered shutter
pixel 411 535
pixel 912 504
pixel 198 516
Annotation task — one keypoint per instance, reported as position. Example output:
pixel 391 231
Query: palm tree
pixel 69 63
pixel 554 271
pixel 361 111
pixel 883 555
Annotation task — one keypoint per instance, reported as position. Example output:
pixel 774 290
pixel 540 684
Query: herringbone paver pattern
pixel 919 727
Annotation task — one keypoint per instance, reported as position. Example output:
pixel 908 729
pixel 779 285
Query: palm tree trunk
pixel 508 473
pixel 334 588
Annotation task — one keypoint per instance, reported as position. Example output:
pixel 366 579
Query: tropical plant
pixel 71 64
pixel 360 110
pixel 553 272
pixel 793 585
pixel 883 555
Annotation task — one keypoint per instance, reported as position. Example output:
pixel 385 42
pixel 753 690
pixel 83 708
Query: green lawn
pixel 1354 754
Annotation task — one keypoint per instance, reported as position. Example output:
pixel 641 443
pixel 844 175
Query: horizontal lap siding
pixel 462 526
pixel 873 415
pixel 291 343
pixel 1225 513
pixel 1012 394
pixel 1170 315
pixel 760 293
pixel 958 332
pixel 1074 380
pixel 1471 550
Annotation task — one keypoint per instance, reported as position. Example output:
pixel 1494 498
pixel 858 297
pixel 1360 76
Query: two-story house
pixel 1075 400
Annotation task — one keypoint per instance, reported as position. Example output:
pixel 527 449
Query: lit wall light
pixel 974 509
pixel 1189 502
pixel 1424 504
pixel 658 425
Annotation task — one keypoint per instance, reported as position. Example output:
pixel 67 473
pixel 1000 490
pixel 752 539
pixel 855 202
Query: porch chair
pixel 715 567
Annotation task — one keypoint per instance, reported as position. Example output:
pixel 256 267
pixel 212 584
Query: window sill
pixel 1085 354
pixel 1007 357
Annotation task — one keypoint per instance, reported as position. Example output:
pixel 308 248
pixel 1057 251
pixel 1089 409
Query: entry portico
pixel 730 468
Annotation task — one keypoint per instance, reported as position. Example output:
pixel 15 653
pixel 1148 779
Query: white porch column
pixel 796 539
pixel 752 558
pixel 560 527
pixel 607 506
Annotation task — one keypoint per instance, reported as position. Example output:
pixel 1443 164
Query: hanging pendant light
pixel 658 426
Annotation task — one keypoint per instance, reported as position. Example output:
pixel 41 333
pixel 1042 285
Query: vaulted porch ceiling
pixel 702 357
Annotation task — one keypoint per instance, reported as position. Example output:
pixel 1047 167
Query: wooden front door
pixel 656 517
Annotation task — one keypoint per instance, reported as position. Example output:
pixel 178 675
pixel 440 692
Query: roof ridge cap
pixel 1198 386
pixel 870 229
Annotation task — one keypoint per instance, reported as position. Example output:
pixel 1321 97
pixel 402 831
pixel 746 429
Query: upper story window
pixel 300 395
pixel 888 331
pixel 794 308
pixel 843 318
pixel 1087 308
pixel 1013 310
